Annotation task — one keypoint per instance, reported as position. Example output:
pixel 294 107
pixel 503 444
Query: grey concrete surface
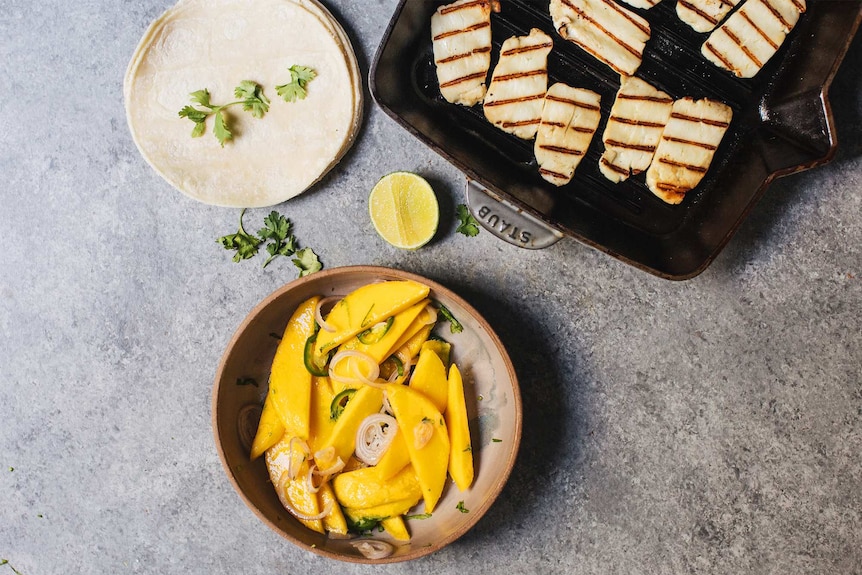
pixel 711 426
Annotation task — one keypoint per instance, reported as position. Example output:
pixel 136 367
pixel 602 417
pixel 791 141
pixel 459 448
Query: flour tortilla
pixel 216 44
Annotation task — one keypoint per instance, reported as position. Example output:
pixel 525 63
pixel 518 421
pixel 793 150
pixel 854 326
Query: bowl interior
pixel 491 388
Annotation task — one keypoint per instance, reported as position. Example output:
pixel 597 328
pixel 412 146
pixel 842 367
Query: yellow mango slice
pixel 270 429
pixel 335 522
pixel 293 492
pixel 410 349
pixel 394 509
pixel 366 306
pixel 342 438
pixel 395 459
pixel 461 450
pixel 379 350
pixel 429 377
pixel 443 349
pixel 364 488
pixel 426 437
pixel 396 528
pixel 320 425
pixel 289 380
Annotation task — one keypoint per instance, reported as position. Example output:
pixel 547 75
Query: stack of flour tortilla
pixel 215 45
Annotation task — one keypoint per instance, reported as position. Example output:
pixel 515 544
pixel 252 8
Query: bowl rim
pixel 498 484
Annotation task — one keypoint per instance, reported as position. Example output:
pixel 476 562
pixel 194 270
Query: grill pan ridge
pixel 782 124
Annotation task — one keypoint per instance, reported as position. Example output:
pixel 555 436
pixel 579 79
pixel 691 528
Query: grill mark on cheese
pixel 758 29
pixel 575 103
pixel 708 17
pixel 450 9
pixel 707 121
pixel 800 7
pixel 727 64
pixel 472 28
pixel 457 57
pixel 522 49
pixel 562 150
pixel 553 173
pixel 462 79
pixel 514 100
pixel 601 58
pixel 657 99
pixel 615 167
pixel 777 14
pixel 605 31
pixel 732 35
pixel 691 167
pixel 689 142
pixel 625 14
pixel 626 145
pixel 636 122
pixel 521 123
pixel 516 75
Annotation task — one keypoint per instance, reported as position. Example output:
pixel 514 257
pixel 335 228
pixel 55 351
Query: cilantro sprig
pixel 297 88
pixel 249 94
pixel 468 226
pixel 279 240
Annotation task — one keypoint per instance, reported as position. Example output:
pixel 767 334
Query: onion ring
pixel 369 379
pixel 319 317
pixel 374 436
pixel 374 548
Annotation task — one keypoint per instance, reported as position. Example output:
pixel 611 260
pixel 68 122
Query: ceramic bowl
pixel 491 389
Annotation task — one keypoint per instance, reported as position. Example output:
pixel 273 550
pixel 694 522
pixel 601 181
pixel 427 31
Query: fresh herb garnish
pixel 296 89
pixel 281 242
pixel 454 325
pixel 249 94
pixel 468 226
pixel 418 516
pixel 243 243
pixel 6 562
pixel 246 381
pixel 495 440
pixel 276 231
pixel 460 507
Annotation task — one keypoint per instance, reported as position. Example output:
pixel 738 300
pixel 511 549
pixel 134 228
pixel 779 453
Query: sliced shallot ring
pixel 296 512
pixel 309 480
pixel 374 436
pixel 332 469
pixel 422 433
pixel 304 446
pixel 319 317
pixel 325 454
pixel 374 548
pixel 432 314
pixel 370 379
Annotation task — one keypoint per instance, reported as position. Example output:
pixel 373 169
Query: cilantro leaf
pixel 454 325
pixel 220 128
pixel 277 230
pixel 252 98
pixel 296 89
pixel 460 507
pixel 201 97
pixel 468 226
pixel 244 244
pixel 307 262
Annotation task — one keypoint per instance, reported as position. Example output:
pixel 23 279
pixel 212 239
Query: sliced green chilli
pixel 339 402
pixel 399 365
pixel 376 332
pixel 312 362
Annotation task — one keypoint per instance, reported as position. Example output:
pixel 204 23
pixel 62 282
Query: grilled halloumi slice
pixel 570 117
pixel 687 146
pixel 461 37
pixel 752 35
pixel 612 34
pixel 634 128
pixel 704 15
pixel 518 85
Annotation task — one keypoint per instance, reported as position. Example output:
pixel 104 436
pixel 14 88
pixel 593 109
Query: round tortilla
pixel 216 44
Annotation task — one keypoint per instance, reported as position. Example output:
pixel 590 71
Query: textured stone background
pixel 711 426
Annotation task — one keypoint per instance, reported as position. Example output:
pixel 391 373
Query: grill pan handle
pixel 508 222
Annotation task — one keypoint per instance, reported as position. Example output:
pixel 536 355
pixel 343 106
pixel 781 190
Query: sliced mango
pixel 426 437
pixel 374 514
pixel 429 377
pixel 366 306
pixel 461 450
pixel 289 381
pixel 380 349
pixel 364 487
pixel 410 349
pixel 321 424
pixel 395 459
pixel 270 429
pixel 443 349
pixel 335 522
pixel 293 493
pixel 342 438
pixel 396 528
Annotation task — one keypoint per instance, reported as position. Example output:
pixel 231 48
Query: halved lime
pixel 404 210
